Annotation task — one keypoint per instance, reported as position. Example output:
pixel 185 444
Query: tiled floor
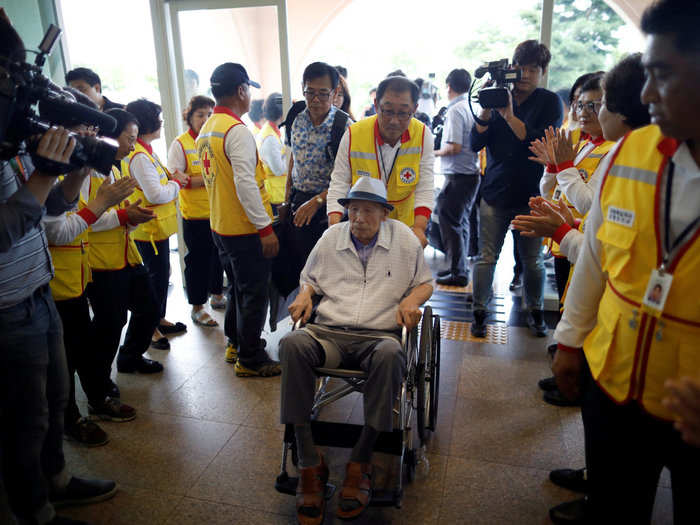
pixel 205 447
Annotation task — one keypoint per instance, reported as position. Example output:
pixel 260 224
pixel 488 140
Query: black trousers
pixel 626 449
pixel 473 246
pixel 33 395
pixel 81 353
pixel 562 267
pixel 203 271
pixel 158 266
pixel 113 294
pixel 454 205
pixel 305 238
pixel 246 309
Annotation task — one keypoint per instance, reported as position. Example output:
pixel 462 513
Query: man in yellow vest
pixel 394 147
pixel 636 361
pixel 241 217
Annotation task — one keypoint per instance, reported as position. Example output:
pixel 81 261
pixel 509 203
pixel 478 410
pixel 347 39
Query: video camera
pixel 496 96
pixel 23 86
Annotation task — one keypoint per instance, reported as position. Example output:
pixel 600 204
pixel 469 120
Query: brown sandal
pixel 356 487
pixel 311 492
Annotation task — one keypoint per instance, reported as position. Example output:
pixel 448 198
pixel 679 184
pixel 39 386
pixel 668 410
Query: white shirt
pixel 353 296
pixel 271 154
pixel 243 155
pixel 570 245
pixel 62 229
pixel 341 177
pixel 143 170
pixel 588 282
pixel 176 158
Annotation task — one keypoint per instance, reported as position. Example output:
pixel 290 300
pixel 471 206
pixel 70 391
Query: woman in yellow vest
pixel 273 153
pixel 158 190
pixel 120 282
pixel 203 271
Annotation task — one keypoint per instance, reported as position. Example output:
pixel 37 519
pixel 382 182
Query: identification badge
pixel 657 292
pixel 557 194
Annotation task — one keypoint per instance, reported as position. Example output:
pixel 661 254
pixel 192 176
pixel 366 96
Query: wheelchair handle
pixel 297 325
pixel 404 336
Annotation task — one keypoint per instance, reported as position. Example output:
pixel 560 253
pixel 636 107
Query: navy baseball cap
pixel 230 74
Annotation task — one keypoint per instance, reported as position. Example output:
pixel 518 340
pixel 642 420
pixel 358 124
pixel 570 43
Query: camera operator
pixel 511 179
pixel 33 372
pixel 459 164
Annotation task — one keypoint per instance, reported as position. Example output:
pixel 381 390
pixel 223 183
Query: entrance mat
pixel 459 331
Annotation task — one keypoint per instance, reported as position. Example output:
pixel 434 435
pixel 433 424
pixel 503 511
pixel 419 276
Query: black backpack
pixel 340 120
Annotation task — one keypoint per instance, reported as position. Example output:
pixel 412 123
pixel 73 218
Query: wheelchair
pixel 415 412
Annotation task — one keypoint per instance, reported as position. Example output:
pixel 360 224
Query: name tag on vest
pixel 620 216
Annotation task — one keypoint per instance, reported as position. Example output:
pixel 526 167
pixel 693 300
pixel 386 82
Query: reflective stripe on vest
pixel 630 352
pixel 403 179
pixel 165 223
pixel 111 249
pixel 227 214
pixel 276 185
pixel 194 202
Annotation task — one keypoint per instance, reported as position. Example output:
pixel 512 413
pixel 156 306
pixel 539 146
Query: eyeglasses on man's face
pixel 321 95
pixel 592 106
pixel 390 114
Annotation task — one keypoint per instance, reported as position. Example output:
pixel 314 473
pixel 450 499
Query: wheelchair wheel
pixel 422 373
pixel 434 374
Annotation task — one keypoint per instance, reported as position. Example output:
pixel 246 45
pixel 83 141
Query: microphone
pixel 59 110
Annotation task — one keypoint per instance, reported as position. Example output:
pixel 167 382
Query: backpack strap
pixel 292 114
pixel 340 120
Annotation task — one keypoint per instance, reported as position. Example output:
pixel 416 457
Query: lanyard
pixel 381 156
pixel 669 246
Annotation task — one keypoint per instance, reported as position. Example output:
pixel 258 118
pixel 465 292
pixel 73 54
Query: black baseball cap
pixel 230 74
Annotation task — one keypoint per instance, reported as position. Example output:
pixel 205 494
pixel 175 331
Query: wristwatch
pixel 319 200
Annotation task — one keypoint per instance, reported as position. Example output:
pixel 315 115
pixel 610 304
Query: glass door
pixel 206 33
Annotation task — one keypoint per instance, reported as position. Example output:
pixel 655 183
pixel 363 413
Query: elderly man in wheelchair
pixel 371 278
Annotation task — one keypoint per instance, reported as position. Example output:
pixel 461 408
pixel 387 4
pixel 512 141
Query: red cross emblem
pixel 207 168
pixel 206 161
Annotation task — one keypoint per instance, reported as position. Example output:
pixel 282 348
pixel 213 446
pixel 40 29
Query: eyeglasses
pixel 321 95
pixel 591 107
pixel 401 115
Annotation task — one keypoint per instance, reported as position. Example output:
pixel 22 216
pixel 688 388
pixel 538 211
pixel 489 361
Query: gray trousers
pixel 454 204
pixel 383 359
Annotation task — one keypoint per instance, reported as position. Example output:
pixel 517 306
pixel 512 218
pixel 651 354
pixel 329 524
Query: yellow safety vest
pixel 71 265
pixel 194 202
pixel 630 351
pixel 276 185
pixel 165 223
pixel 585 167
pixel 228 217
pixel 364 161
pixel 112 249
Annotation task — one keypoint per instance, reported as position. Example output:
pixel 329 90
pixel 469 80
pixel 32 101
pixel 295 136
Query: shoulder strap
pixel 292 114
pixel 340 120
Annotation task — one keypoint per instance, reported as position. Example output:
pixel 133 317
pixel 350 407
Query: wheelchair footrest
pixel 287 484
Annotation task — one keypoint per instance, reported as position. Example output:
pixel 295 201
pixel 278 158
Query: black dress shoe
pixel 478 328
pixel 571 479
pixel 453 280
pixel 571 512
pixel 82 491
pixel 516 283
pixel 556 398
pixel 161 344
pixel 177 328
pixel 547 384
pixel 144 366
pixel 443 273
pixel 535 320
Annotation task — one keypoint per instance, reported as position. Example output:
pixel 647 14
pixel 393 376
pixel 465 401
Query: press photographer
pixel 511 179
pixel 33 373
